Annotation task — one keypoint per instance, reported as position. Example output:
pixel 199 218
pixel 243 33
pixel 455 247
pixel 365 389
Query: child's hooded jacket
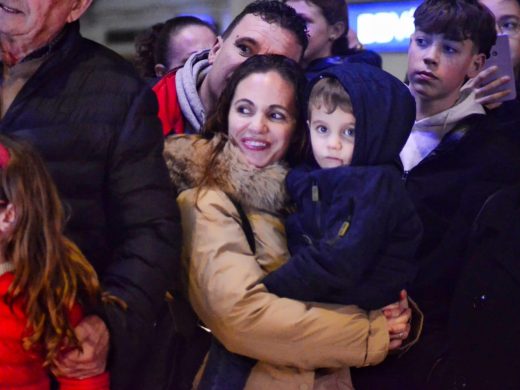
pixel 355 231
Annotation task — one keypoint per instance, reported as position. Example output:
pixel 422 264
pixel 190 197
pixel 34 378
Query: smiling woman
pixel 262 125
pixel 233 176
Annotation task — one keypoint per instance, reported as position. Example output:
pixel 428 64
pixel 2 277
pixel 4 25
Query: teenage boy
pixel 453 160
pixel 264 27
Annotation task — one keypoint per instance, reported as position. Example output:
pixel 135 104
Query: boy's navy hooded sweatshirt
pixel 355 232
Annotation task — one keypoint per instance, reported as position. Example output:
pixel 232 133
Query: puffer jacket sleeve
pixel 226 293
pixel 142 215
pixel 366 264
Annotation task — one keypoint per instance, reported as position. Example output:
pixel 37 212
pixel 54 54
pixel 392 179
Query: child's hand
pixel 93 336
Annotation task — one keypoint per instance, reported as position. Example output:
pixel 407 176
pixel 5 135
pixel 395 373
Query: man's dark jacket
pixel 485 319
pixel 448 188
pixel 368 264
pixel 94 122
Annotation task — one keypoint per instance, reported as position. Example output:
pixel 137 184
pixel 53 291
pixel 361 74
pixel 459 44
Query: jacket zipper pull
pixel 315 193
pixel 344 228
pixel 346 224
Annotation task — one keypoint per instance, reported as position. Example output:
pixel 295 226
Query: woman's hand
pixel 484 90
pixel 93 336
pixel 398 315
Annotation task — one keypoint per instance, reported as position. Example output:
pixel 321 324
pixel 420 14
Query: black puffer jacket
pixel 94 122
pixel 485 319
pixel 448 188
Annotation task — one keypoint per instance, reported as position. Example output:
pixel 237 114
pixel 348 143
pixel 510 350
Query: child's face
pixel 332 137
pixel 438 66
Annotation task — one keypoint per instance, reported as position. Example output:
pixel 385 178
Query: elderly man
pixel 95 124
pixel 263 27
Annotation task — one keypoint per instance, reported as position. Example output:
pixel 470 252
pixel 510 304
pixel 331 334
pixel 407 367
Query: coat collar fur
pixel 187 157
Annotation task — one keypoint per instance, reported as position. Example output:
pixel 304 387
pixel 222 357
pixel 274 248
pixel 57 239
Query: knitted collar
pixel 187 79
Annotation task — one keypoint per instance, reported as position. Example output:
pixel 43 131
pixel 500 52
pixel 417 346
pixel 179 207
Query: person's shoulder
pixel 488 129
pixel 107 65
pixel 368 57
pixel 492 146
pixel 204 201
pixel 381 173
pixel 165 88
pixel 384 179
pixel 298 180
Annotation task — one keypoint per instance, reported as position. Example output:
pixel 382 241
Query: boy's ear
pixel 7 218
pixel 476 65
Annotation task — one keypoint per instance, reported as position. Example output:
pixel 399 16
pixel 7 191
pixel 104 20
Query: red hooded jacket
pixel 170 112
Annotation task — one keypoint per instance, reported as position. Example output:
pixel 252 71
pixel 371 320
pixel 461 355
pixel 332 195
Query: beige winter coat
pixel 291 339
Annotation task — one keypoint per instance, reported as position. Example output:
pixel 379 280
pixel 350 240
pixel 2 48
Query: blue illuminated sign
pixel 383 27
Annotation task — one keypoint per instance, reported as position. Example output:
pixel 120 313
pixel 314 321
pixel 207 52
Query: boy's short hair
pixel 458 20
pixel 273 11
pixel 328 94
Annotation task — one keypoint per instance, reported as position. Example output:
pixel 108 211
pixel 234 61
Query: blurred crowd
pixel 262 207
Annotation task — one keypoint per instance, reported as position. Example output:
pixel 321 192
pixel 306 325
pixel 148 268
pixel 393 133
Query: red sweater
pixel 23 370
pixel 170 112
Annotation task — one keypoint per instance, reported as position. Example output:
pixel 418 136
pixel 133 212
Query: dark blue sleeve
pixel 366 265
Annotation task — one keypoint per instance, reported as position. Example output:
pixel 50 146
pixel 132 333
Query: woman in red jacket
pixel 45 282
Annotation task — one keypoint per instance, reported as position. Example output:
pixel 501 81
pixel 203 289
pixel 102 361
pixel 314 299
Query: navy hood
pixel 383 107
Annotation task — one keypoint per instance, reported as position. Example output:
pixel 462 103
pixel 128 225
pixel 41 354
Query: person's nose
pixel 431 55
pixel 258 124
pixel 334 143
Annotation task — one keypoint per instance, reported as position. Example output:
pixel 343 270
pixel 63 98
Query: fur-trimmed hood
pixel 187 157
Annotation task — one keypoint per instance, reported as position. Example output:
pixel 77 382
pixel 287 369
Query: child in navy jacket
pixel 355 231
pixel 354 234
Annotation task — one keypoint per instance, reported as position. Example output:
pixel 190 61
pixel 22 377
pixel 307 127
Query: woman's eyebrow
pixel 244 100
